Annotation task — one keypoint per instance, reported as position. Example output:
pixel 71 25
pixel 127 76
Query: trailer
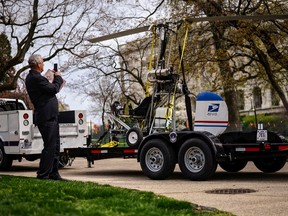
pixel 199 152
pixel 204 145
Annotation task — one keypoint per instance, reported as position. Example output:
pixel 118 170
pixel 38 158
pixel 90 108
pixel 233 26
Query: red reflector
pixel 80 115
pixel 251 149
pixel 267 146
pixel 129 151
pixel 282 148
pixel 95 151
pixel 98 151
pixel 25 116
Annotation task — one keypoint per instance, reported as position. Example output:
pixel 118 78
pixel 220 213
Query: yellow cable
pixel 169 112
pixel 184 45
pixel 147 86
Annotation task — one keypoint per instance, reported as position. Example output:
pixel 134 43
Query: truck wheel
pixel 5 160
pixel 233 166
pixel 134 137
pixel 271 165
pixel 196 160
pixel 157 159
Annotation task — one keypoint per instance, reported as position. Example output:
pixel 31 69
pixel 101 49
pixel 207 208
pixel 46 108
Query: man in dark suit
pixel 43 96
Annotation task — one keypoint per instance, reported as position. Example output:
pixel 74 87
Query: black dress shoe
pixel 43 177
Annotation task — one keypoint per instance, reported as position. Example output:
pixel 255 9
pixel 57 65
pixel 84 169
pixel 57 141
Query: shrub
pixel 276 123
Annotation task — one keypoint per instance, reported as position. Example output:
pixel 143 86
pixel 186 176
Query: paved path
pixel 270 198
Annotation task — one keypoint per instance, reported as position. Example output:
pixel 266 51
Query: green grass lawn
pixel 30 196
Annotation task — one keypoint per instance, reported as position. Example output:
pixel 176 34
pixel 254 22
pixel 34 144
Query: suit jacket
pixel 43 95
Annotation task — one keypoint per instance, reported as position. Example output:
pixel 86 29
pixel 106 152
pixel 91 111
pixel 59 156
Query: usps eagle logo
pixel 213 108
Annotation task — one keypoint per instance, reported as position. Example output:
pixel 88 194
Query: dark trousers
pixel 49 160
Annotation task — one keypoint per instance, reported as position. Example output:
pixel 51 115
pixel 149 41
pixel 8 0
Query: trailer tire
pixel 157 159
pixel 271 166
pixel 134 137
pixel 233 166
pixel 5 160
pixel 196 160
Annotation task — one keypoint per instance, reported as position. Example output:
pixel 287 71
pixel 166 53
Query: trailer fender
pixel 151 137
pixel 211 140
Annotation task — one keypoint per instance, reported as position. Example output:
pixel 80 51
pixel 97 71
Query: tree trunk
pixel 229 89
pixel 215 8
pixel 263 59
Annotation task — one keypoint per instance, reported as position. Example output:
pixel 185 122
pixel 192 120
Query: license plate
pixel 262 135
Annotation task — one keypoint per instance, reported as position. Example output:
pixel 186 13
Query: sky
pixel 74 100
pixel 80 102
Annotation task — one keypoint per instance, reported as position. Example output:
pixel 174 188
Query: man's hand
pixel 57 73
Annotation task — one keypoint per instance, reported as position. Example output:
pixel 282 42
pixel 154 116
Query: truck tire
pixel 233 166
pixel 32 157
pixel 134 137
pixel 157 159
pixel 63 160
pixel 196 160
pixel 271 165
pixel 5 160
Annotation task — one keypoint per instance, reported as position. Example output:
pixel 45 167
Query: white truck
pixel 20 137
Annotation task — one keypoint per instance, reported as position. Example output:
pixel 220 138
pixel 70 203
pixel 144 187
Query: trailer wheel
pixel 271 165
pixel 196 160
pixel 134 137
pixel 5 160
pixel 157 159
pixel 233 166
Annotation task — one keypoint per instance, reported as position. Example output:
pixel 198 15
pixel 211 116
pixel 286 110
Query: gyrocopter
pixel 157 110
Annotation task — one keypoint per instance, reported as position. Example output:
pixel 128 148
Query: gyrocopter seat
pixel 142 108
pixel 165 80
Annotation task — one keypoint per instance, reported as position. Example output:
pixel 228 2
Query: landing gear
pixel 134 137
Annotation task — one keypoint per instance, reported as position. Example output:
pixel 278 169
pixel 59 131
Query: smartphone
pixel 55 67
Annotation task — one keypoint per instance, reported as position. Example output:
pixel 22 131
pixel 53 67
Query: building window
pixel 257 98
pixel 275 100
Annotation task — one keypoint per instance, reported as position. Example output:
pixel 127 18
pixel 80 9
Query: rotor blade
pixel 192 19
pixel 120 34
pixel 241 17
